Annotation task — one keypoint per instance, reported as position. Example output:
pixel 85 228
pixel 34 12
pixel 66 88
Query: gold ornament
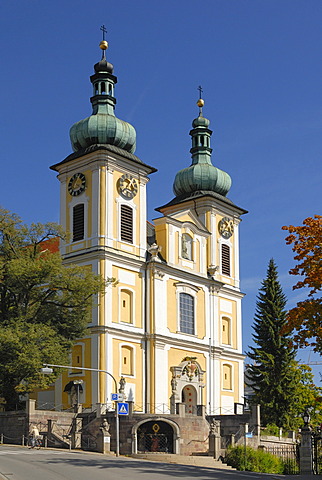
pixel 156 428
pixel 103 45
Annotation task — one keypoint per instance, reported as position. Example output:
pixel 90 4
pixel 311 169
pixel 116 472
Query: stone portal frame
pixel 182 378
pixel 175 427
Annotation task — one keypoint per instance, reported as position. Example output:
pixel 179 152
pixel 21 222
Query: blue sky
pixel 259 63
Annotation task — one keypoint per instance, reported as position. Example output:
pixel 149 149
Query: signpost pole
pixel 117 424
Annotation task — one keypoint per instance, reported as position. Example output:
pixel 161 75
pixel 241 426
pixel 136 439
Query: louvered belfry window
pixel 126 224
pixel 78 222
pixel 225 259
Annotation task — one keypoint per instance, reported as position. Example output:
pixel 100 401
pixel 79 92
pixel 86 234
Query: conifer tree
pixel 273 374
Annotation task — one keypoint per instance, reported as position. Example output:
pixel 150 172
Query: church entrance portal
pixel 155 437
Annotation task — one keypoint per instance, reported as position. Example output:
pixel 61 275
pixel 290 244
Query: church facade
pixel 171 324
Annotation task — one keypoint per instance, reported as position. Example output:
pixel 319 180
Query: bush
pixel 271 430
pixel 254 460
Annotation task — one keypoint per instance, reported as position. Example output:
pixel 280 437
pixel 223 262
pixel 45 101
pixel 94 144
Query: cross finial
pixel 200 102
pixel 200 91
pixel 103 30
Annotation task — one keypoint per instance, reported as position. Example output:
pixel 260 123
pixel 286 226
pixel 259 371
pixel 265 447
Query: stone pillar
pixel 181 409
pixel 201 411
pixel 306 463
pixel 215 439
pixel 31 406
pixel 76 436
pixel 104 438
pixel 100 409
pixel 131 408
pixel 173 404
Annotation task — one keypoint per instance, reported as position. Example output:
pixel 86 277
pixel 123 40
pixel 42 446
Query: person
pixel 33 436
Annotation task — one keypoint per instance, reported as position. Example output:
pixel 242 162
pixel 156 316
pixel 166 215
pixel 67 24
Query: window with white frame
pixel 126 306
pixel 187 313
pixel 226 331
pixel 227 380
pixel 127 367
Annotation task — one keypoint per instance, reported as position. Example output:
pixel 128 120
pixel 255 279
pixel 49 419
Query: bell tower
pixel 103 208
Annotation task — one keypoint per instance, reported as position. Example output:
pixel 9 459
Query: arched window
pixel 225 259
pixel 187 313
pixel 126 360
pixel 126 306
pixel 126 224
pixel 186 246
pixel 78 222
pixel 225 331
pixel 227 377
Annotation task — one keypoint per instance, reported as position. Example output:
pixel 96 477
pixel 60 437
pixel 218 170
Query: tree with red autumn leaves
pixel 306 318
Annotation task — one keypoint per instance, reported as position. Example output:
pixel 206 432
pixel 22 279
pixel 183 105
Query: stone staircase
pixel 194 460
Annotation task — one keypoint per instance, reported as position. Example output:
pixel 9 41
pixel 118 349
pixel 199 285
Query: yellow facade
pixel 173 319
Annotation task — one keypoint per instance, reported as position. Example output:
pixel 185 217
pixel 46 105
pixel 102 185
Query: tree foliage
pixel 44 306
pixel 306 317
pixel 279 384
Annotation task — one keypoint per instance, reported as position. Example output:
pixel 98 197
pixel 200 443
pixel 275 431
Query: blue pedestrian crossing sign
pixel 123 408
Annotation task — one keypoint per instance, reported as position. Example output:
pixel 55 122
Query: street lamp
pixel 48 370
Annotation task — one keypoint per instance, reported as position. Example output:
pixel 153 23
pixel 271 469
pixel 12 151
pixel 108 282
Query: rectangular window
pixel 225 259
pixel 187 314
pixel 126 224
pixel 78 222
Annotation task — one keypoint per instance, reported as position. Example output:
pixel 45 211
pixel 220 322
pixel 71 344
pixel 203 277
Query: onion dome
pixel 201 175
pixel 103 127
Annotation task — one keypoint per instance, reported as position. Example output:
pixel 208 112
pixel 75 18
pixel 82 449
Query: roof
pixel 200 194
pixel 108 147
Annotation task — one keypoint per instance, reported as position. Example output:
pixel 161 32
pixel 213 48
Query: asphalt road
pixel 21 463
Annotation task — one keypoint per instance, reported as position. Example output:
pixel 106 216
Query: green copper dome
pixel 201 175
pixel 103 127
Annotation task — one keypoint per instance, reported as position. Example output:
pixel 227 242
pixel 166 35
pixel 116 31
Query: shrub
pixel 253 460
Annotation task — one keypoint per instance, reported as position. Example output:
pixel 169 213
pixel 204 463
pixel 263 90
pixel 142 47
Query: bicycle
pixel 35 442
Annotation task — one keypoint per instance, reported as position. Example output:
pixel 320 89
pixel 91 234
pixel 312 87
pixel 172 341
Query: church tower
pixel 103 206
pixel 198 330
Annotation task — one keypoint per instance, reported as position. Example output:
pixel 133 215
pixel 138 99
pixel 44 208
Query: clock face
pixel 77 184
pixel 127 186
pixel 226 227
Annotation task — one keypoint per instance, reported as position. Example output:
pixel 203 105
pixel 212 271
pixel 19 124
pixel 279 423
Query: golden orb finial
pixel 103 45
pixel 200 102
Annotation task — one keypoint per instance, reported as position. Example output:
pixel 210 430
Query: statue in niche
pixel 186 246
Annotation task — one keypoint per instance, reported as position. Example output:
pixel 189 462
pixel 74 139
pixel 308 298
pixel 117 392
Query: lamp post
pixel 306 454
pixel 48 369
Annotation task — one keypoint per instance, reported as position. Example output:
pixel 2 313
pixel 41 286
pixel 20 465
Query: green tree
pixel 44 306
pixel 273 374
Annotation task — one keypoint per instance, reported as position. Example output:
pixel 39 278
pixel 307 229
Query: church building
pixel 171 324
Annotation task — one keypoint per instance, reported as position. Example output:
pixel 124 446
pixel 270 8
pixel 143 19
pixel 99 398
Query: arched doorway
pixel 189 398
pixel 155 436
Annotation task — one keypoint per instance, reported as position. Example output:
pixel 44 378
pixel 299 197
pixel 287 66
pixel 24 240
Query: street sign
pixel 123 408
pixel 117 397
